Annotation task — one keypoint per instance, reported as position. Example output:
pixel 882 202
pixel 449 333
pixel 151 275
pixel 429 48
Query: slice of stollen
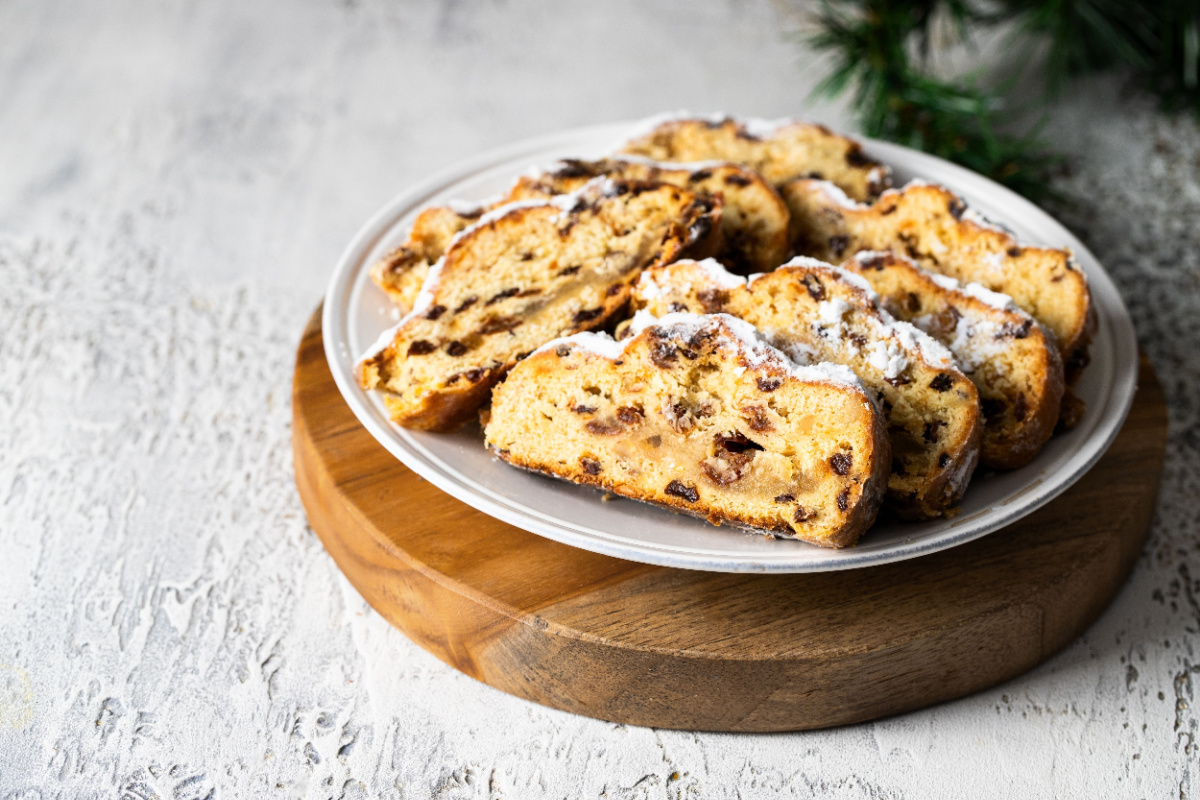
pixel 934 227
pixel 1008 356
pixel 817 311
pixel 525 273
pixel 752 235
pixel 780 150
pixel 698 414
pixel 754 220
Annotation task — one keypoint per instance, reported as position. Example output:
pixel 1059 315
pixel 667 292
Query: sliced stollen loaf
pixel 525 273
pixel 933 226
pixel 780 150
pixel 754 220
pixel 698 414
pixel 815 311
pixel 1008 356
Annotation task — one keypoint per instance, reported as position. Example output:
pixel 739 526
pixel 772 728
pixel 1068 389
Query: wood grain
pixel 671 648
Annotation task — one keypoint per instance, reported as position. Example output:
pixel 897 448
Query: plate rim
pixel 1114 322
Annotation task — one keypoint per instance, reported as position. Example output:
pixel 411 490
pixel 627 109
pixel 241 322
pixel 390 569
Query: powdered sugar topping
pixel 717 273
pixel 914 338
pixel 994 299
pixel 887 356
pixel 837 195
pixel 381 343
pixel 756 348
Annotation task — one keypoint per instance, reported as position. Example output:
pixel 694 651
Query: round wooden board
pixel 671 648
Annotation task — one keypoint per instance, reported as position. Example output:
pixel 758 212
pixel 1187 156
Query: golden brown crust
pixel 779 153
pixel 931 225
pixel 931 408
pixel 1008 356
pixel 521 277
pixel 688 416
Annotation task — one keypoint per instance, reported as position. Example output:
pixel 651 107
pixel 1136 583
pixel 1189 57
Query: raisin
pixel 900 380
pixel 841 462
pixel 736 180
pixel 529 293
pixel 654 441
pixel 943 461
pixel 931 431
pixel 838 245
pixel 816 176
pixel 993 407
pixel 874 261
pixel 570 270
pixel 688 353
pixel 473 375
pixel 713 300
pixel 944 322
pixel 682 490
pixel 725 468
pixel 456 349
pixel 498 325
pixel 785 498
pixel 674 307
pixel 601 428
pixel 843 499
pixel 496 298
pixel 942 382
pixel 700 228
pixel 562 350
pixel 815 288
pixel 855 157
pixel 465 304
pixel 586 315
pixel 421 347
pixel 1019 408
pixel 578 409
pixel 857 339
pixel 911 303
pixel 769 384
pixel 1008 329
pixel 574 168
pixel 757 417
pixel 889 210
pixel 678 417
pixel 663 354
pixel 735 442
pixel 1014 252
pixel 629 415
pixel 956 208
pixel 590 465
pixel 700 175
pixel 614 289
pixel 435 311
pixel 527 256
pixel 802 514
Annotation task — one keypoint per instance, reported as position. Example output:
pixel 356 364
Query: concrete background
pixel 176 183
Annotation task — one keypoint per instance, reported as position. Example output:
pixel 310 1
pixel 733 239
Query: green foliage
pixel 879 47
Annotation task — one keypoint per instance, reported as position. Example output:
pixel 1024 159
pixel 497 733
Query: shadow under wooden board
pixel 647 645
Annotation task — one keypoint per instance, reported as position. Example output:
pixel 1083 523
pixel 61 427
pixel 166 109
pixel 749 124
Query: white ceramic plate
pixel 356 312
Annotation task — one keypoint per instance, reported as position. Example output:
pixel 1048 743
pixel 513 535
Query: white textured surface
pixel 176 184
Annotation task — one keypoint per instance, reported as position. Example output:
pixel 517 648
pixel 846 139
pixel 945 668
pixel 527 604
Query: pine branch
pixel 871 41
